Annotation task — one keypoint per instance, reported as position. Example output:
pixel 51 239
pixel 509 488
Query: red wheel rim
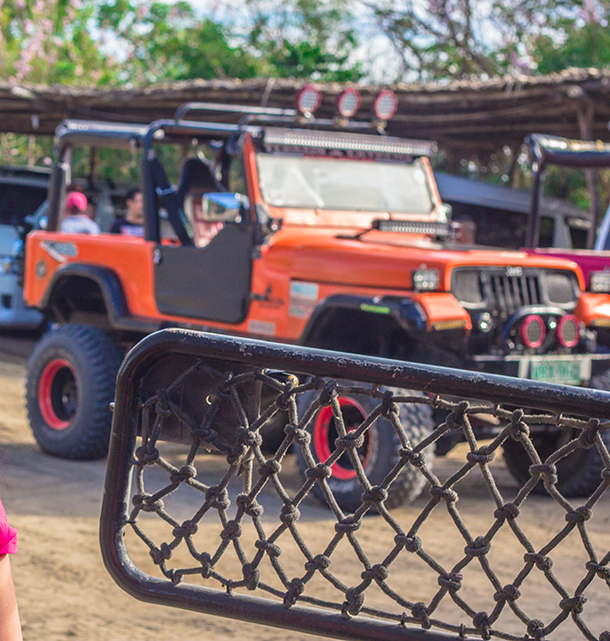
pixel 57 394
pixel 324 435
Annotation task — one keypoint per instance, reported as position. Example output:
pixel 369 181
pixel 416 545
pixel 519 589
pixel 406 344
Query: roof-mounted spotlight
pixel 385 105
pixel 348 102
pixel 308 100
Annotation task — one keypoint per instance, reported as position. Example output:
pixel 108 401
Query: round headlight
pixel 568 331
pixel 348 102
pixel 308 100
pixel 485 322
pixel 385 104
pixel 532 331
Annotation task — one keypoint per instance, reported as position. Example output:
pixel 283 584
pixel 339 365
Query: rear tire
pixel 579 474
pixel 71 380
pixel 379 454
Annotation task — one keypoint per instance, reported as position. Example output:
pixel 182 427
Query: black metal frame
pixel 254 120
pixel 552 150
pixel 239 352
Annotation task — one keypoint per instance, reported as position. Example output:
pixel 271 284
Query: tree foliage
pixel 304 39
pixel 91 42
pixel 450 39
pixel 163 42
pixel 50 41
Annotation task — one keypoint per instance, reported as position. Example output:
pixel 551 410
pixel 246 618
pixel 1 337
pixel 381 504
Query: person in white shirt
pixel 75 219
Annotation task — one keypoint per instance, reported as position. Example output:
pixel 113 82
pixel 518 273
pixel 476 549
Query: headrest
pixel 196 174
pixel 76 202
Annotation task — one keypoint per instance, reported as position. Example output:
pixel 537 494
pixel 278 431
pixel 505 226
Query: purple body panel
pixel 589 260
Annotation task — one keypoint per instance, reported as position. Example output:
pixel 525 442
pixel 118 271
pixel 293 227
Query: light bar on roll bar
pixel 236 109
pixel 333 140
pixel 441 230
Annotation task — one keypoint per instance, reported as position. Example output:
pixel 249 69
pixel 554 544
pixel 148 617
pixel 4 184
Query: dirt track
pixel 65 592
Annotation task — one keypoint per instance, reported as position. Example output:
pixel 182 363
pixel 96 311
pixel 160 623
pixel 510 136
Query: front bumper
pixel 571 369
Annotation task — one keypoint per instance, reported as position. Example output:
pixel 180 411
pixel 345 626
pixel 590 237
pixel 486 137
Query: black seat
pixel 196 174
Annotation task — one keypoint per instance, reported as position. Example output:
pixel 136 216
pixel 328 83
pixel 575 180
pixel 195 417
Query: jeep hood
pixel 382 259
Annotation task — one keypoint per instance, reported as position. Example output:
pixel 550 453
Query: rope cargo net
pixel 242 521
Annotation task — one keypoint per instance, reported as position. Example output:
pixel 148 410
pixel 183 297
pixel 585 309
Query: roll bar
pixel 552 150
pixel 236 109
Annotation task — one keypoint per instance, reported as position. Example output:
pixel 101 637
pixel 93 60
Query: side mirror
pixel 445 212
pixel 223 206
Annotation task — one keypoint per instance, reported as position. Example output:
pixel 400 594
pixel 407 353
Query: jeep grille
pixel 495 289
pixel 560 287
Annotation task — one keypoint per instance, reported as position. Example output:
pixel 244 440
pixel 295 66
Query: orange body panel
pixel 129 258
pixel 379 264
pixel 315 255
pixel 593 309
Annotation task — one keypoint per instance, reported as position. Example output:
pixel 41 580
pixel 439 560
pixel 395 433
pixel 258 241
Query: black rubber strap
pixel 167 194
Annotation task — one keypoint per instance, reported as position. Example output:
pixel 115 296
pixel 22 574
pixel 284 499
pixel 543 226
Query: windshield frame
pixel 349 216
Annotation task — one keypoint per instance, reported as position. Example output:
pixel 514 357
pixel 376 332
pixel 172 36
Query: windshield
pixel 342 184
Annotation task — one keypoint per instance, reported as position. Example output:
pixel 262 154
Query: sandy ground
pixel 64 591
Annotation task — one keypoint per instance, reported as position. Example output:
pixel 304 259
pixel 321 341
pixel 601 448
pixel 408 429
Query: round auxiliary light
pixel 532 331
pixel 308 100
pixel 485 322
pixel 385 104
pixel 568 331
pixel 348 102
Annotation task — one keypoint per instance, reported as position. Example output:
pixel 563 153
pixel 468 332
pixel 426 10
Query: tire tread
pixel 103 358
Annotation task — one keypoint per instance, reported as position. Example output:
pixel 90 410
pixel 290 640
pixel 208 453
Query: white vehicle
pixel 23 192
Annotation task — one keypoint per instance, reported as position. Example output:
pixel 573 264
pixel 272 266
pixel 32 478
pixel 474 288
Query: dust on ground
pixel 64 591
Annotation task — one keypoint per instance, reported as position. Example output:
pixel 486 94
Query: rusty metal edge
pixel 300 360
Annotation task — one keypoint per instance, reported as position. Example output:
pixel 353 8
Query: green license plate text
pixel 564 372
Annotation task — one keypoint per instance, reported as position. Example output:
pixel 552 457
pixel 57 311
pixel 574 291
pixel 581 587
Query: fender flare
pixel 110 286
pixel 407 313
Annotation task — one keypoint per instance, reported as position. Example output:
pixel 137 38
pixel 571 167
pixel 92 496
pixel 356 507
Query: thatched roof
pixel 463 116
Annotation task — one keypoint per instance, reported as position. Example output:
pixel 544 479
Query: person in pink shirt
pixel 10 628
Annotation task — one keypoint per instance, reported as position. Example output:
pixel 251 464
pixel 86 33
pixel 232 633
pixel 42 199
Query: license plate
pixel 556 371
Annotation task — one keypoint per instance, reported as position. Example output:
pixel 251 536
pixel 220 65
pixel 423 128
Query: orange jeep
pixel 286 227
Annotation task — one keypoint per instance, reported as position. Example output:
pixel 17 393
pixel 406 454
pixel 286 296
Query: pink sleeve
pixel 8 535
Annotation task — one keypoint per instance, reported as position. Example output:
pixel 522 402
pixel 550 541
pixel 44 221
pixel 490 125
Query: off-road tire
pixel 579 474
pixel 416 420
pixel 71 380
